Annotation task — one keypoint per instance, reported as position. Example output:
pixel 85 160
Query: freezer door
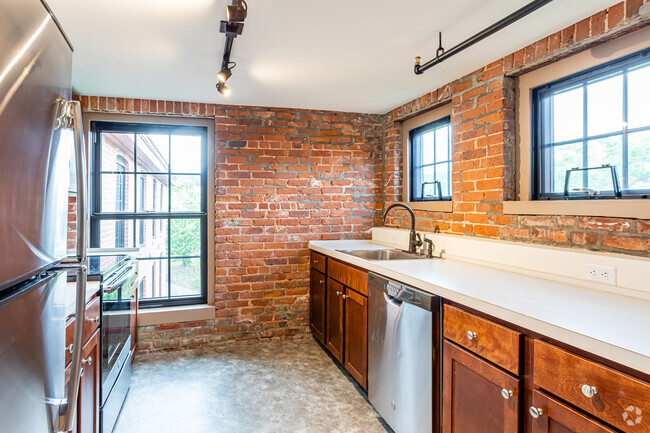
pixel 35 72
pixel 32 355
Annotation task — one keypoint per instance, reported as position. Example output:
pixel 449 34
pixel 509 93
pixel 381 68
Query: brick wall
pixel 483 124
pixel 283 177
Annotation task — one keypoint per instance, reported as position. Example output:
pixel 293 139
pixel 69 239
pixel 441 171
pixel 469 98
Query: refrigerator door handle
pixel 66 410
pixel 69 116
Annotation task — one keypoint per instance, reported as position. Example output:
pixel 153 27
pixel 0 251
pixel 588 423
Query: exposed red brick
pixel 635 244
pixel 615 15
pixel 610 224
pixel 632 7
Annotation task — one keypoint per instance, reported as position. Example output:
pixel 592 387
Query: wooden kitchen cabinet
pixel 356 336
pixel 478 397
pixel 551 416
pixel 88 404
pixel 87 411
pixel 317 304
pixel 334 323
pixel 607 394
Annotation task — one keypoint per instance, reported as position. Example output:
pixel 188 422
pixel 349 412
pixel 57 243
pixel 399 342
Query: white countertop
pixel 613 326
pixel 92 287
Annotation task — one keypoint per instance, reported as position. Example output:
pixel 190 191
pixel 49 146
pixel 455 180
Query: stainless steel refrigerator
pixel 35 115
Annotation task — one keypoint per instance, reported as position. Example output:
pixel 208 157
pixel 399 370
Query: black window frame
pixel 542 171
pixel 414 196
pixel 120 198
pixel 96 215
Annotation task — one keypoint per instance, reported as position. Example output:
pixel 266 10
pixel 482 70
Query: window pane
pixel 442 173
pixel 186 193
pixel 638 91
pixel 186 154
pixel 116 234
pixel 567 115
pixel 442 144
pixel 427 148
pixel 152 192
pixel 117 192
pixel 152 237
pixel 638 160
pixel 604 151
pixel 185 237
pixel 117 150
pixel 185 277
pixel 154 279
pixel 565 157
pixel 153 153
pixel 605 106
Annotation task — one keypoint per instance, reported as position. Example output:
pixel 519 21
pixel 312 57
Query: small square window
pixel 593 128
pixel 430 156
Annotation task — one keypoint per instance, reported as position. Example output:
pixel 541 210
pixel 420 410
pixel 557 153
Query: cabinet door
pixel 356 336
pixel 317 305
pixel 334 325
pixel 88 406
pixel 477 397
pixel 551 416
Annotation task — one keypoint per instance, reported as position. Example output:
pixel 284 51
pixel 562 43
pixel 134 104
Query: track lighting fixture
pixel 237 11
pixel 235 14
pixel 223 89
pixel 225 72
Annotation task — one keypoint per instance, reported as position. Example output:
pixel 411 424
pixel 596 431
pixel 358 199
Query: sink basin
pixel 383 254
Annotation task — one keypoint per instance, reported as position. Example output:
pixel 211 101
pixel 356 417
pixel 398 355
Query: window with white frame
pixel 430 156
pixel 592 133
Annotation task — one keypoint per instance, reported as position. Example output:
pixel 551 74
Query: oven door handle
pixel 119 283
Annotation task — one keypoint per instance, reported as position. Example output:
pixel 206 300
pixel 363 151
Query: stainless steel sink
pixel 383 254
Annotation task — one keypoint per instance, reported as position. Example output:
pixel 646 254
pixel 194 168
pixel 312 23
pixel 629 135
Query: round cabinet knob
pixel 322 281
pixel 506 393
pixel 94 319
pixel 535 412
pixel 88 361
pixel 315 261
pixel 344 296
pixel 70 348
pixel 589 391
pixel 471 335
pixel 338 293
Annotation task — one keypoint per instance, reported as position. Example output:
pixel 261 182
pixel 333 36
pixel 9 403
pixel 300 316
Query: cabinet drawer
pixel 353 278
pixel 493 342
pixel 318 262
pixel 616 398
pixel 90 325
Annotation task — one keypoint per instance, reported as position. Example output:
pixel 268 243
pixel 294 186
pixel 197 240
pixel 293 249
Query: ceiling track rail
pixel 443 55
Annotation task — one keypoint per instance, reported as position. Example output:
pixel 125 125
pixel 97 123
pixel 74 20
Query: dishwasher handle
pixel 392 300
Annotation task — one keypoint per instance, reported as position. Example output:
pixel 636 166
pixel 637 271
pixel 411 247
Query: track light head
pixel 224 74
pixel 237 11
pixel 223 89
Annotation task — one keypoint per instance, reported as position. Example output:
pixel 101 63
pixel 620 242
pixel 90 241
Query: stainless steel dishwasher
pixel 403 367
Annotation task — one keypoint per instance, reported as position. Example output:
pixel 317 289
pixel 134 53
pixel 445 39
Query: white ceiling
pixel 348 55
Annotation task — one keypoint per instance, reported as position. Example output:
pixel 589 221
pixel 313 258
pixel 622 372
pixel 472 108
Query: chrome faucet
pixel 415 240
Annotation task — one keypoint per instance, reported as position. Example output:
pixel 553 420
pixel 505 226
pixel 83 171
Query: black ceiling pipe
pixel 505 22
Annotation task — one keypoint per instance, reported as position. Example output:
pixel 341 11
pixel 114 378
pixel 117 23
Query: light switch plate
pixel 601 274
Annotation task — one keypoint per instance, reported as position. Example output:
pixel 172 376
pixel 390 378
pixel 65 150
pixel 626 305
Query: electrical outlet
pixel 601 274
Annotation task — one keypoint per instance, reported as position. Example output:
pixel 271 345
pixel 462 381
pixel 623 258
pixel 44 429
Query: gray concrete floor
pixel 288 387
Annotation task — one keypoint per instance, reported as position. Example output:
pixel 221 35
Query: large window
pixel 590 126
pixel 430 156
pixel 159 173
